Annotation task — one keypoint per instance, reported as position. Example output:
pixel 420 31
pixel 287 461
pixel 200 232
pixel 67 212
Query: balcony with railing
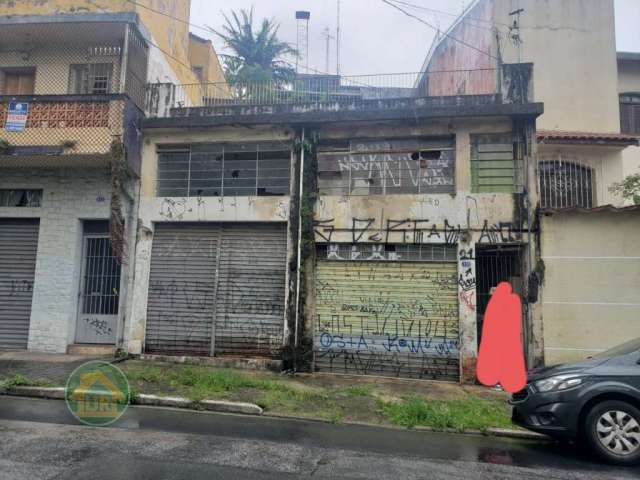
pixel 308 94
pixel 68 88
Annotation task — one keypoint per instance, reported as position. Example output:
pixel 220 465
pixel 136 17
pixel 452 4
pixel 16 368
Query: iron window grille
pixel 91 79
pixel 388 252
pixel 565 184
pixel 217 170
pixel 630 114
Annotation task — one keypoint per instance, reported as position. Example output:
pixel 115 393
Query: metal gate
pixel 18 251
pixel 387 318
pixel 217 289
pixel 99 288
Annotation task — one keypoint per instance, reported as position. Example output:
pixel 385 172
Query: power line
pixel 455 15
pixel 409 14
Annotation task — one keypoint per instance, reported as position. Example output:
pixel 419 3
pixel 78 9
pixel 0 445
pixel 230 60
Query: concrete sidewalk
pixel 47 367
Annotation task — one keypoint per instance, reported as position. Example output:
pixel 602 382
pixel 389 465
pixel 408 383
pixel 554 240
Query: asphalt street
pixel 40 439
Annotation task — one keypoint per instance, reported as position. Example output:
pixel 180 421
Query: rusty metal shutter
pixel 234 273
pixel 251 290
pixel 182 289
pixel 387 318
pixel 18 251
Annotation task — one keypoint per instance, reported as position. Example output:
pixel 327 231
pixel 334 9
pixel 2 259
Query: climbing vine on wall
pixel 119 177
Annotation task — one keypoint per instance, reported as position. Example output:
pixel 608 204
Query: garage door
pixel 217 289
pixel 18 250
pixel 387 318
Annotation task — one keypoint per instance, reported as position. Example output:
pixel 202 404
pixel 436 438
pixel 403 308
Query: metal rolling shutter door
pixel 18 251
pixel 251 290
pixel 387 318
pixel 182 289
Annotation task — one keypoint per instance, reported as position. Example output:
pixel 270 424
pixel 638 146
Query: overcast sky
pixel 375 37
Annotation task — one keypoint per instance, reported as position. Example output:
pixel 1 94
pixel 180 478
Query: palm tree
pixel 257 56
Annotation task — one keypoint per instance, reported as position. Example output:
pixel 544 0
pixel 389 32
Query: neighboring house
pixel 629 90
pixel 372 269
pixel 588 269
pixel 73 77
pixel 204 60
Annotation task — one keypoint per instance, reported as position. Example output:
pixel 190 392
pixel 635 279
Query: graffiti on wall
pixel 369 323
pixel 467 279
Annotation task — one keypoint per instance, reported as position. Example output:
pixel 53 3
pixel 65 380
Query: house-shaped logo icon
pixel 97 393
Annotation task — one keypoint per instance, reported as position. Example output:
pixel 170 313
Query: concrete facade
pixel 629 84
pixel 66 202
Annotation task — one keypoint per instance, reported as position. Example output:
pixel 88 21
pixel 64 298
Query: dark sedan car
pixel 596 401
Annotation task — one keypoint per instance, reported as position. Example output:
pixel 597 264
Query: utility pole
pixel 327 34
pixel 338 42
pixel 514 32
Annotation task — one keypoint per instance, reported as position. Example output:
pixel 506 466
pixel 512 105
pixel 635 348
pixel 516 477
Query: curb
pixel 520 434
pixel 243 408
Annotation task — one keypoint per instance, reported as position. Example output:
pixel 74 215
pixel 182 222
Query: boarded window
pixel 385 167
pixel 495 167
pixel 20 198
pixel 565 184
pixel 630 114
pixel 216 170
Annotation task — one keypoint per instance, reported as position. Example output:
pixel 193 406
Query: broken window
pixel 20 198
pixel 385 167
pixel 216 170
pixel 496 166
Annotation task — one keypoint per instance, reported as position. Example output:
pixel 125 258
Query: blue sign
pixel 17 117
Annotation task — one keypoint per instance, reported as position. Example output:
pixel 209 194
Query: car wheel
pixel 612 430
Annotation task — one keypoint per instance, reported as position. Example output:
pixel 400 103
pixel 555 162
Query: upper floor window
pixel 91 79
pixel 630 114
pixel 565 184
pixel 385 167
pixel 18 81
pixel 20 198
pixel 495 164
pixel 231 169
pixel 198 72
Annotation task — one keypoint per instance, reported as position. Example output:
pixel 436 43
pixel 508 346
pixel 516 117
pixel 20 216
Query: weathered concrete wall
pixel 69 196
pixel 155 209
pixel 591 293
pixel 566 39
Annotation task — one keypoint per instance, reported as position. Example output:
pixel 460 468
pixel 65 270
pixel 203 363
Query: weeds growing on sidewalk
pixel 335 399
pixel 19 380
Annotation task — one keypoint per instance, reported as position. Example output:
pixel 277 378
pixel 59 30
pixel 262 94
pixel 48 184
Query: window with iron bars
pixel 496 164
pixel 385 167
pixel 231 169
pixel 91 79
pixel 431 252
pixel 565 184
pixel 630 114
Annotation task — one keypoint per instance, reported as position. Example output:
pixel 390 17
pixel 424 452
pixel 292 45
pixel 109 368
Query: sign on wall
pixel 17 117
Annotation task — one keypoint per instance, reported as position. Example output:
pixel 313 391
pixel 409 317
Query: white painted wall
pixel 69 196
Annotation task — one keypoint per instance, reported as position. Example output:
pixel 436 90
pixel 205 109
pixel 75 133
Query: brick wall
pixel 69 196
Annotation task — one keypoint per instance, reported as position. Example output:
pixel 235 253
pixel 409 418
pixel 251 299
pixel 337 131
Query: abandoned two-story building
pixel 348 230
pixel 73 81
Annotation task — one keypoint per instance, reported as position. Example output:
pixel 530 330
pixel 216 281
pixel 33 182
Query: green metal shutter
pixel 18 251
pixel 387 318
pixel 493 165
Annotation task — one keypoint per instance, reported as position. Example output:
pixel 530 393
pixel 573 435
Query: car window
pixel 624 349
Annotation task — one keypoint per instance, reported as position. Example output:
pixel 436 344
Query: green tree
pixel 629 188
pixel 258 56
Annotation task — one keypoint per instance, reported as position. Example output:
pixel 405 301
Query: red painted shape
pixel 501 358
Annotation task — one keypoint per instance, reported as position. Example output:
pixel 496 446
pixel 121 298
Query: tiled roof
pixel 587 137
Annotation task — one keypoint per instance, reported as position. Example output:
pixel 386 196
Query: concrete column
pixel 467 306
